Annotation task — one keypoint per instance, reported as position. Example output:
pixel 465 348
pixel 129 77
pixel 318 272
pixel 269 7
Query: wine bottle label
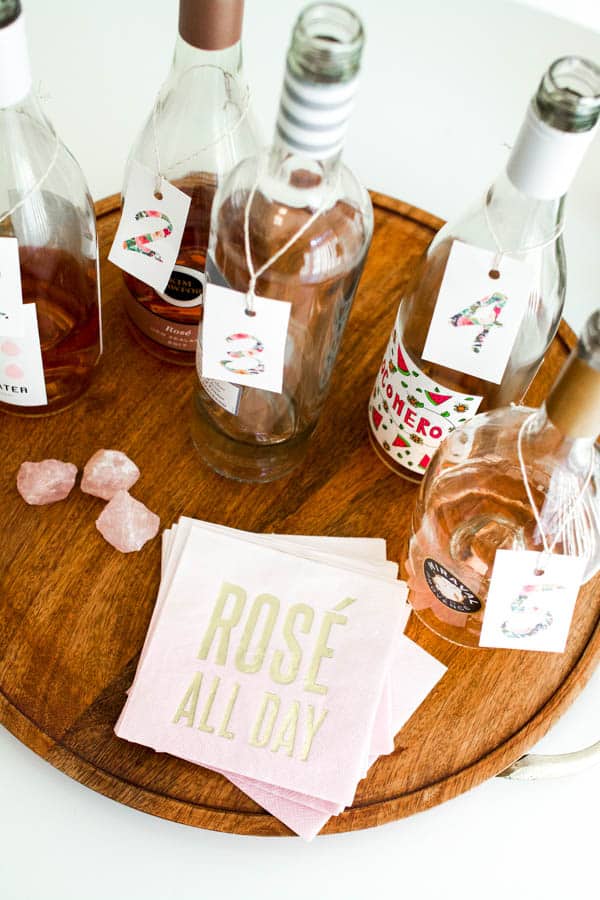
pixel 449 589
pixel 151 228
pixel 478 312
pixel 225 395
pixel 410 415
pixel 175 335
pixel 185 288
pixel 241 348
pixel 530 601
pixel 11 296
pixel 21 369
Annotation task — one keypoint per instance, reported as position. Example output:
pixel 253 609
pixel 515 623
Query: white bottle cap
pixel 544 160
pixel 15 76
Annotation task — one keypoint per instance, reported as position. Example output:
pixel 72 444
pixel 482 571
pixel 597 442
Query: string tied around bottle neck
pixel 37 184
pixel 255 274
pixel 501 251
pixel 566 519
pixel 226 133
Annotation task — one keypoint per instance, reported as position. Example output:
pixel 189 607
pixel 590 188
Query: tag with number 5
pixel 243 349
pixel 149 235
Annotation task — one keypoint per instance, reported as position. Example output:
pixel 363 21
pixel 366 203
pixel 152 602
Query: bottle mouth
pixel 10 10
pixel 327 43
pixel 569 94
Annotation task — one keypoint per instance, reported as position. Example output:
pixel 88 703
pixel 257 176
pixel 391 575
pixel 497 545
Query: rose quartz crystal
pixel 126 523
pixel 46 481
pixel 107 472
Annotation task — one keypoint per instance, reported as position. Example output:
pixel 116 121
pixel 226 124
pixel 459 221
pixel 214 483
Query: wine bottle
pixel 297 219
pixel 50 336
pixel 513 479
pixel 200 127
pixel 485 302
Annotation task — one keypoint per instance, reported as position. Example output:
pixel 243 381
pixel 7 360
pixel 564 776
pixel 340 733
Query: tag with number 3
pixel 149 235
pixel 243 349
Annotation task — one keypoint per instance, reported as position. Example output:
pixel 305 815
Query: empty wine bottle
pixel 50 336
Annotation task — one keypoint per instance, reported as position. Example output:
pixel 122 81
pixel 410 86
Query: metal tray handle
pixel 533 765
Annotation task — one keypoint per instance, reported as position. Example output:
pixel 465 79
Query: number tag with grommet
pixel 11 297
pixel 478 312
pixel 531 600
pixel 150 231
pixel 242 348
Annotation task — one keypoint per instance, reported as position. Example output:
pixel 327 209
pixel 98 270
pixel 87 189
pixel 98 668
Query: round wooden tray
pixel 74 611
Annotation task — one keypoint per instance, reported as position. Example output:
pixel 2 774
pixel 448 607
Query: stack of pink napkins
pixel 280 662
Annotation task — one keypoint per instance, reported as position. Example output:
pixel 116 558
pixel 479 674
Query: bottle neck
pixel 519 222
pixel 544 438
pixel 187 57
pixel 15 74
pixel 545 159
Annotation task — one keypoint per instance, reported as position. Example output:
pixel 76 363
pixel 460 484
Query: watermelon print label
pixel 409 414
pixel 478 312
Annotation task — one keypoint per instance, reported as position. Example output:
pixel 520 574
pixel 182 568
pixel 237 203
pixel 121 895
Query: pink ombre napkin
pixel 270 658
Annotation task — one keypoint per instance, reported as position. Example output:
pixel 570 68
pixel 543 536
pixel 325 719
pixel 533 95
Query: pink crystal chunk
pixel 46 481
pixel 107 472
pixel 126 523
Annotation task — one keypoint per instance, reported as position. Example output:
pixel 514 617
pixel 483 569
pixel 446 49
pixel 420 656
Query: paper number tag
pixel 525 611
pixel 476 317
pixel 242 349
pixel 149 235
pixel 11 297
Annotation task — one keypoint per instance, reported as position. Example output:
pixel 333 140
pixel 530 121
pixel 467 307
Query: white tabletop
pixel 444 88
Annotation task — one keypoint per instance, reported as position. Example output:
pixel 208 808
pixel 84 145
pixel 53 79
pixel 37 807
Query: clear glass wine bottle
pixel 46 206
pixel 201 126
pixel 259 435
pixel 417 401
pixel 473 500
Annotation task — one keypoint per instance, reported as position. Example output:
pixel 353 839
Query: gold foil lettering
pixel 311 729
pixel 270 702
pixel 204 726
pixel 322 651
pixel 290 723
pixel 308 614
pixel 187 707
pixel 223 732
pixel 219 621
pixel 272 604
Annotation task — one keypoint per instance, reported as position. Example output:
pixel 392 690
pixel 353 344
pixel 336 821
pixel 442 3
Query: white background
pixel 444 87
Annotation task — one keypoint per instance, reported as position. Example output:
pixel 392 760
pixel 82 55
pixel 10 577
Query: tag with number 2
pixel 149 235
pixel 241 348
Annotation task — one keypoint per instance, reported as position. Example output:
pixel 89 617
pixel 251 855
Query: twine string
pixel 501 251
pixel 255 274
pixel 228 132
pixel 565 519
pixel 38 184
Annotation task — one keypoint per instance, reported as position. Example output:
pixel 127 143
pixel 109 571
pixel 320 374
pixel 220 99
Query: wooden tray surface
pixel 74 612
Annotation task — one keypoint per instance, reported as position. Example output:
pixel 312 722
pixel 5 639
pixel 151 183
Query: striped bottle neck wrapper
pixel 313 117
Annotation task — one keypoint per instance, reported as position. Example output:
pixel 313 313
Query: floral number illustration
pixel 527 617
pixel 243 359
pixel 485 313
pixel 139 243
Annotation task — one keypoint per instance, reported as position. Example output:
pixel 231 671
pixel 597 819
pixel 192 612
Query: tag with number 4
pixel 149 235
pixel 244 349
